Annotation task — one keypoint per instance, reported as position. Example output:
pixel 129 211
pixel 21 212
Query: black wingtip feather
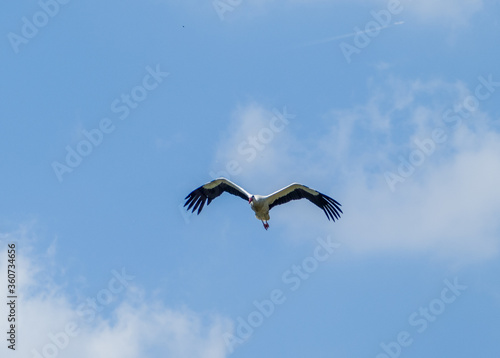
pixel 330 206
pixel 197 199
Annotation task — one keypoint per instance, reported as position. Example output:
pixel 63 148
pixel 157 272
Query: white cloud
pixel 447 206
pixel 449 210
pixel 145 330
pixel 50 323
pixel 451 12
pixel 253 142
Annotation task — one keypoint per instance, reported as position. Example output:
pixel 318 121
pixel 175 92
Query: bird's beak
pixel 250 200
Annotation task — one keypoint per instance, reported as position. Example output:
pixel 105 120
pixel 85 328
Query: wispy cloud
pixel 253 142
pixel 352 34
pixel 52 322
pixel 447 207
pixel 448 12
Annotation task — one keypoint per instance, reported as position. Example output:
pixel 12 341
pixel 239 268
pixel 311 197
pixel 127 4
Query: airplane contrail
pixel 330 39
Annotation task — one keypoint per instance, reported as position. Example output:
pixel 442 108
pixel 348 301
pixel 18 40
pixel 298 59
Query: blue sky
pixel 113 112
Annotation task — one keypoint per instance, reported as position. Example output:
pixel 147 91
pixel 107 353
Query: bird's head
pixel 251 199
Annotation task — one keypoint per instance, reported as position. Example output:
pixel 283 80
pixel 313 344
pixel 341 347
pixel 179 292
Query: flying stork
pixel 261 204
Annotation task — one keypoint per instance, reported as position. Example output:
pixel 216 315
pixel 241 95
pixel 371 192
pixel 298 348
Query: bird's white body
pixel 260 206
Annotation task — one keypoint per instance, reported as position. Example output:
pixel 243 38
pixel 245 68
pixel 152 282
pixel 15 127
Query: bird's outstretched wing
pixel 208 192
pixel 298 191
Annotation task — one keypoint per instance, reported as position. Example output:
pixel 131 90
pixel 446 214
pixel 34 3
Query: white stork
pixel 262 204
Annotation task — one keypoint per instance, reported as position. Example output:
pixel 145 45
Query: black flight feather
pixel 330 206
pixel 199 196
